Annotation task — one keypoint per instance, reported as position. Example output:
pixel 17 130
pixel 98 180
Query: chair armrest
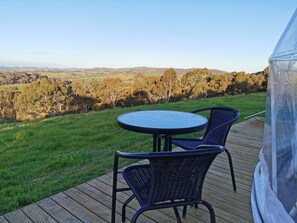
pixel 202 149
pixel 119 154
pixel 132 155
pixel 207 146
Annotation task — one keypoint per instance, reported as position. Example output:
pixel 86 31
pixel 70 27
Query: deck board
pixel 76 208
pixel 91 201
pixel 59 213
pixel 3 220
pixel 17 216
pixel 36 214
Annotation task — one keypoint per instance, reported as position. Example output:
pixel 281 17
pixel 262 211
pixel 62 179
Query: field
pixel 91 75
pixel 43 157
pixel 76 75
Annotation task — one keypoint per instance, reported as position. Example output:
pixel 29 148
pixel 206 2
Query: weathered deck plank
pixel 3 220
pixel 36 214
pixel 91 201
pixel 77 209
pixel 54 209
pixel 17 217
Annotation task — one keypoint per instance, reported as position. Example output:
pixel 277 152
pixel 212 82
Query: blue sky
pixel 228 35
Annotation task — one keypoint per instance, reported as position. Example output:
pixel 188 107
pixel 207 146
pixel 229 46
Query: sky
pixel 230 35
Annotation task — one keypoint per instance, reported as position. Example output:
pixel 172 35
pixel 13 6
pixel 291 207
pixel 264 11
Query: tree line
pixel 48 97
pixel 8 78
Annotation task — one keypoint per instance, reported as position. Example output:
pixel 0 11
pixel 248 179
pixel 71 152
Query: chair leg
pixel 186 207
pixel 231 169
pixel 114 188
pixel 137 214
pixel 177 215
pixel 211 211
pixel 184 211
pixel 124 207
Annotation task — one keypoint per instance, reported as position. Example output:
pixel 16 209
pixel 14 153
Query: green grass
pixel 41 158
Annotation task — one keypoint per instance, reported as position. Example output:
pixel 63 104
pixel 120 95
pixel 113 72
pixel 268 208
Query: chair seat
pixel 139 180
pixel 187 144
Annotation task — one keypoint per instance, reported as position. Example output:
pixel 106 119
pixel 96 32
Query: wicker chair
pixel 219 124
pixel 171 179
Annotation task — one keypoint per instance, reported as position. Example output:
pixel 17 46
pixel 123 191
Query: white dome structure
pixel 274 192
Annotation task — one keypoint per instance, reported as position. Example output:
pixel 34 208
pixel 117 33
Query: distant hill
pixel 145 70
pixel 22 75
pixel 107 71
pixel 4 69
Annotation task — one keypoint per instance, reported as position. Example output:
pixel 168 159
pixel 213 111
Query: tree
pixel 241 83
pixel 192 79
pixel 43 98
pixel 109 90
pixel 169 84
pixel 7 78
pixel 83 92
pixel 218 84
pixel 7 110
pixel 144 88
pixel 201 90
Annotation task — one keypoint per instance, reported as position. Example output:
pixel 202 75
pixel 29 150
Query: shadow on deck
pixel 91 201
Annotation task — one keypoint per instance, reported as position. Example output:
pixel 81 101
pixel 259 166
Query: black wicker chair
pixel 219 124
pixel 171 179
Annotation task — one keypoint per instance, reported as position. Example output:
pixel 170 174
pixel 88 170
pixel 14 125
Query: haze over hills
pixel 146 70
pixel 104 71
pixel 16 68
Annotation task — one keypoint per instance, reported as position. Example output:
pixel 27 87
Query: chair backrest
pixel 219 124
pixel 180 175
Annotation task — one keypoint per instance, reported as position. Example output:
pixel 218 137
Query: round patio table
pixel 162 122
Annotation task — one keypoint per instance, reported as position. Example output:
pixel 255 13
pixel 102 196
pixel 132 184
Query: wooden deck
pixel 91 201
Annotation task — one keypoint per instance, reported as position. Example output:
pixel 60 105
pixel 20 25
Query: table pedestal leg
pixel 155 139
pixel 157 143
pixel 168 143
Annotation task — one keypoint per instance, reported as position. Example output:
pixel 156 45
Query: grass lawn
pixel 41 158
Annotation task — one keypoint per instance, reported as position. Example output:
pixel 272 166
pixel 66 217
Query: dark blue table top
pixel 162 122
